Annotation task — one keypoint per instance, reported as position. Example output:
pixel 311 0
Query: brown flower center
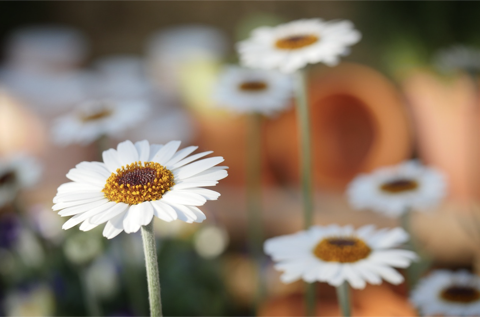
pixel 7 178
pixel 399 186
pixel 138 182
pixel 460 294
pixel 296 42
pixel 102 113
pixel 253 86
pixel 341 249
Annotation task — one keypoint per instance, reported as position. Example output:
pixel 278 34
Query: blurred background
pixel 387 102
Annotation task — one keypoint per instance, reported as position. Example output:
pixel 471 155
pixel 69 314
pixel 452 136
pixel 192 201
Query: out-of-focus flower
pixel 96 118
pixel 46 223
pixel 210 241
pixel 245 90
pixel 448 294
pixel 458 58
pixel 36 300
pixel 17 172
pixel 136 182
pixel 29 249
pixel 81 249
pixel 336 254
pixel 396 189
pixel 291 46
pixel 41 67
pixel 102 278
pixel 171 50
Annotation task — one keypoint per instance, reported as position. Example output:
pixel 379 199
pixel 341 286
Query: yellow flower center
pixel 296 42
pixel 343 250
pixel 399 186
pixel 7 178
pixel 253 86
pixel 138 182
pixel 460 294
pixel 102 113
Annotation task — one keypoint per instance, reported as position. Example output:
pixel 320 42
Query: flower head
pixel 336 254
pixel 17 172
pixel 291 46
pixel 247 90
pixel 448 293
pixel 394 190
pixel 136 182
pixel 95 118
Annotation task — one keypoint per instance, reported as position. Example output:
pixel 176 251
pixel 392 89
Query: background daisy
pixel 458 58
pixel 17 172
pixel 336 254
pixel 136 182
pixel 291 46
pixel 245 90
pixel 448 293
pixel 394 190
pixel 96 118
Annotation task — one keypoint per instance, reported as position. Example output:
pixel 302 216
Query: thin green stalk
pixel 254 199
pixel 303 122
pixel 411 271
pixel 151 264
pixel 343 296
pixel 91 303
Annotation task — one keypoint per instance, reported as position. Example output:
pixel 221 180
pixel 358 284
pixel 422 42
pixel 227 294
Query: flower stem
pixel 303 121
pixel 254 199
pixel 151 264
pixel 411 245
pixel 343 296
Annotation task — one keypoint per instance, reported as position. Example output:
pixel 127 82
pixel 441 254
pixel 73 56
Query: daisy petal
pixel 111 160
pixel 166 152
pixel 106 215
pixel 114 226
pixel 127 153
pixel 143 149
pixel 164 211
pixel 197 167
pixel 184 197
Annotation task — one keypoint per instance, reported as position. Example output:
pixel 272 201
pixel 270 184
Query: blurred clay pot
pixel 358 123
pixel 447 123
pixel 20 130
pixel 379 300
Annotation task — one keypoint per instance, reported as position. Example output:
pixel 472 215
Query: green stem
pixel 151 264
pixel 343 296
pixel 254 199
pixel 411 271
pixel 303 121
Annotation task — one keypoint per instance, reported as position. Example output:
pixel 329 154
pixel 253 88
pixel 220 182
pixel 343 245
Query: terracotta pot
pixel 372 301
pixel 358 124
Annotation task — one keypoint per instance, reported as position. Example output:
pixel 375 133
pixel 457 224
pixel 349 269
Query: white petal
pixel 207 176
pixel 166 152
pixel 96 167
pixel 60 198
pixel 59 206
pixel 137 216
pixel 127 153
pixel 355 279
pixel 74 186
pixel 111 160
pixel 117 209
pixel 114 226
pixel 85 177
pixel 70 211
pixel 180 155
pixel 184 197
pixel 197 167
pixel 143 149
pixel 183 213
pixel 190 159
pixel 87 226
pixel 75 220
pixel 164 211
pixel 186 184
pixel 206 193
pixel 154 148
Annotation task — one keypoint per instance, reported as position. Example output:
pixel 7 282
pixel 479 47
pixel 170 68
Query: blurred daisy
pixel 291 46
pixel 457 58
pixel 448 293
pixel 247 90
pixel 136 182
pixel 96 118
pixel 17 172
pixel 336 254
pixel 394 190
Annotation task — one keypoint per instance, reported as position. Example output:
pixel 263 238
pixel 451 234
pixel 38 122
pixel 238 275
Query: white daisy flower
pixel 448 293
pixel 336 254
pixel 248 90
pixel 396 189
pixel 458 57
pixel 291 46
pixel 95 118
pixel 136 182
pixel 17 172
